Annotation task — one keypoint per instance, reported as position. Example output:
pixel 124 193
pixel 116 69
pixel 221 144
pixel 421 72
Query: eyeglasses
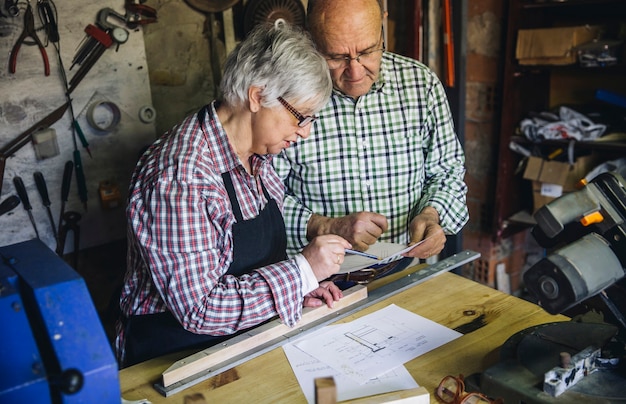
pixel 342 61
pixel 303 120
pixel 451 390
pixel 363 58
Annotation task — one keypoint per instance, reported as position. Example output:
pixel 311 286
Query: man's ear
pixel 254 98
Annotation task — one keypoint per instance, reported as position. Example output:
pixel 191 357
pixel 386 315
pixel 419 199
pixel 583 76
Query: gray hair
pixel 283 61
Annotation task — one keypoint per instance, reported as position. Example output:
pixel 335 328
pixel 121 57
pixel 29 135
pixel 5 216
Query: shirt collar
pixel 228 161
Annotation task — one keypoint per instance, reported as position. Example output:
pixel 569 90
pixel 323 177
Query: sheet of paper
pixel 377 343
pixel 307 369
pixel 388 252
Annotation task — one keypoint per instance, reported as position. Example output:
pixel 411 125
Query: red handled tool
pixel 28 31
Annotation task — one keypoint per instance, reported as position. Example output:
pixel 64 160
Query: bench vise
pixel 53 346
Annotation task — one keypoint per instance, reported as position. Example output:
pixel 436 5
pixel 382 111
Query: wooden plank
pixel 418 395
pixel 210 357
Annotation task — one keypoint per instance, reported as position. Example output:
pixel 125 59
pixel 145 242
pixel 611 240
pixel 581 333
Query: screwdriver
pixel 21 192
pixel 65 192
pixel 9 204
pixel 81 183
pixel 45 199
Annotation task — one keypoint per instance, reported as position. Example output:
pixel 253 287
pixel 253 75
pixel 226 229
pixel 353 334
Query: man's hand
pixel 426 226
pixel 361 229
pixel 327 293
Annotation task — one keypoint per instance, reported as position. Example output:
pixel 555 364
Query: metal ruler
pixel 375 296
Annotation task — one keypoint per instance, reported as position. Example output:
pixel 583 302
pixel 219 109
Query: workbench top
pixel 486 317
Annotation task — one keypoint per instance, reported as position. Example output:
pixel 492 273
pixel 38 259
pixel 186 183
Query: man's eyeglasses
pixel 342 61
pixel 451 390
pixel 303 120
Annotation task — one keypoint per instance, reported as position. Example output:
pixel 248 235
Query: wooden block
pixel 325 390
pixel 213 356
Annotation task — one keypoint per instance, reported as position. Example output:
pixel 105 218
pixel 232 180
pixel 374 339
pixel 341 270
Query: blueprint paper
pixel 377 343
pixel 307 369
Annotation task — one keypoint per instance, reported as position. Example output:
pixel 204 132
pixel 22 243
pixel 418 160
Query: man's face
pixel 353 49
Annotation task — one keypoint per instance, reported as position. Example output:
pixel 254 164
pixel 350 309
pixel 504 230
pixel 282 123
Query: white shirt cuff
pixel 309 281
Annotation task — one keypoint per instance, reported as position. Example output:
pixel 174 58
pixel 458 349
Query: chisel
pixel 21 192
pixel 45 199
pixel 9 204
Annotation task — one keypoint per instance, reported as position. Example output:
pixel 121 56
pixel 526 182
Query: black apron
pixel 257 242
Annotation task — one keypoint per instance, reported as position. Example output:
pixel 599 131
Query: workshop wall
pixel 119 79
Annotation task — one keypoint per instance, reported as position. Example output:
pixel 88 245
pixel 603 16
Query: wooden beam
pixel 211 357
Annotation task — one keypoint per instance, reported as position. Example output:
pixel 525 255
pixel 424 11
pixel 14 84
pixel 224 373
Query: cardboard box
pixel 552 46
pixel 551 179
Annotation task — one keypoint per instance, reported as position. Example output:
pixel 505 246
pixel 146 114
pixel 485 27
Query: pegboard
pixel 119 78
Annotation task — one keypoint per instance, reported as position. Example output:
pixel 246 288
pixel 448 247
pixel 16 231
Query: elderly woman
pixel 205 229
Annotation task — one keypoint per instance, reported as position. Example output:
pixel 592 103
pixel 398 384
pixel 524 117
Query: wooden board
pixel 210 357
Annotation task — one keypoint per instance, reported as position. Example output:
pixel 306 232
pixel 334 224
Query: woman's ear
pixel 254 98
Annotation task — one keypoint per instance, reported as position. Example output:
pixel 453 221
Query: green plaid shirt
pixel 393 151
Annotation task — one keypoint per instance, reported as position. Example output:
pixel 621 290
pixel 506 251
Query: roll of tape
pixel 103 116
pixel 147 114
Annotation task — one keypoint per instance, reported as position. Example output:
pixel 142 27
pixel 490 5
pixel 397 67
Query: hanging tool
pixel 70 221
pixel 9 204
pixel 81 183
pixel 12 8
pixel 65 192
pixel 139 14
pixel 21 192
pixel 20 141
pixel 100 37
pixel 448 42
pixel 47 15
pixel 28 31
pixel 45 199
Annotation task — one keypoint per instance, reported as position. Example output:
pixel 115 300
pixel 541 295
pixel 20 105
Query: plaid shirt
pixel 180 239
pixel 393 151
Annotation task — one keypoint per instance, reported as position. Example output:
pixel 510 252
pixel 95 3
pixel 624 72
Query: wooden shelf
pixel 527 89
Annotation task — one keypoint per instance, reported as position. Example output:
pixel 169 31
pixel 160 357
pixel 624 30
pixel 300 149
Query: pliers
pixel 28 31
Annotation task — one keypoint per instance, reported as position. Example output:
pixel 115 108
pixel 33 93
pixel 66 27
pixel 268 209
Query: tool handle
pixel 81 136
pixel 50 23
pixel 67 180
pixel 9 204
pixel 42 188
pixel 80 177
pixel 21 192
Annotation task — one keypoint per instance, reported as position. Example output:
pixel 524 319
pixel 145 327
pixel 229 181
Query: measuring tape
pixel 103 116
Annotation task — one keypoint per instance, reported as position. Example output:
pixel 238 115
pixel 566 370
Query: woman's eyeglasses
pixel 303 120
pixel 451 390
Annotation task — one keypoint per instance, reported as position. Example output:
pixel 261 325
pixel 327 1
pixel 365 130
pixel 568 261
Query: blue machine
pixel 53 348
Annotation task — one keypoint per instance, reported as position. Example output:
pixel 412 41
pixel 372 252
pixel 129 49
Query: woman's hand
pixel 327 293
pixel 325 254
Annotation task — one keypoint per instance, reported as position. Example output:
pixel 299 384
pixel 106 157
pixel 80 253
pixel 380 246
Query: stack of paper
pixel 366 356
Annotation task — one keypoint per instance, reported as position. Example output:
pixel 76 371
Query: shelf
pixel 600 145
pixel 561 4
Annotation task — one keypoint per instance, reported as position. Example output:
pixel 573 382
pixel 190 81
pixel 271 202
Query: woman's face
pixel 276 128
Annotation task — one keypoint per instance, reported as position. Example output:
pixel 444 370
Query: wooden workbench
pixel 447 299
